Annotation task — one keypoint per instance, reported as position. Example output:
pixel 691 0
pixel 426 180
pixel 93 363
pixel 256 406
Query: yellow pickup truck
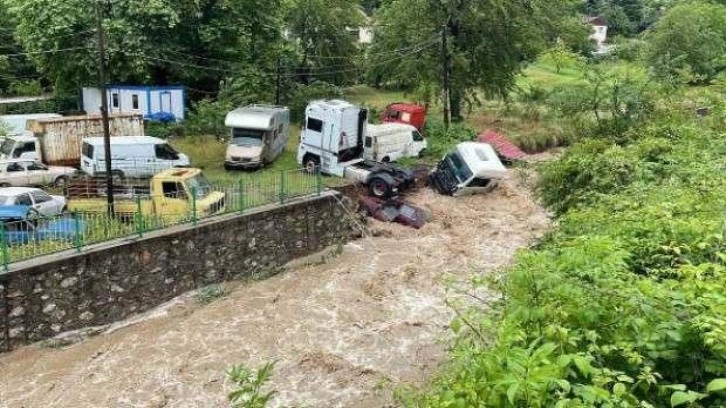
pixel 173 194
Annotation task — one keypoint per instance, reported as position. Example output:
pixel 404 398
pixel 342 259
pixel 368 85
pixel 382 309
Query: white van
pixel 131 156
pixel 391 141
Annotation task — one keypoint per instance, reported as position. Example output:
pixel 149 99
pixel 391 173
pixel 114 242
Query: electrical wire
pixel 46 51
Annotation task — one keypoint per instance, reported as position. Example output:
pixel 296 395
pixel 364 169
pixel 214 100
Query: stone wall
pixel 110 282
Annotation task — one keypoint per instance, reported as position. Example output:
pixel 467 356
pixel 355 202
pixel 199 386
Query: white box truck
pixel 332 141
pixel 259 134
pixel 470 168
pixel 389 142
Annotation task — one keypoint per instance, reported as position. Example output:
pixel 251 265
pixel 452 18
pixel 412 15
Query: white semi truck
pixel 332 141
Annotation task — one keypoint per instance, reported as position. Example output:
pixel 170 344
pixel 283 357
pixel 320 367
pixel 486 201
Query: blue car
pixel 23 224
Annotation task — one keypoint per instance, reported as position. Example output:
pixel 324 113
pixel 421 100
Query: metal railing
pixel 142 211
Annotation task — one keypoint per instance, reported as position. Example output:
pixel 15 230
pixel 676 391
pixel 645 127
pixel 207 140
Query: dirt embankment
pixel 344 330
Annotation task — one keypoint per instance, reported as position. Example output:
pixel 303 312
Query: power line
pixel 45 51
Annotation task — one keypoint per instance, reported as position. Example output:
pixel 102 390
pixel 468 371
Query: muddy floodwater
pixel 344 330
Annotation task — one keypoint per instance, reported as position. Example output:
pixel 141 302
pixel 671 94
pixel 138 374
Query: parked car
pixel 23 224
pixel 46 204
pixel 19 172
pixel 393 210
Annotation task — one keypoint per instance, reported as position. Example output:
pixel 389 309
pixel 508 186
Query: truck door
pixel 174 201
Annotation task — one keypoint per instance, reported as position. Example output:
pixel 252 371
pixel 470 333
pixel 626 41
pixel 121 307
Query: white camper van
pixel 131 156
pixel 259 134
pixel 391 141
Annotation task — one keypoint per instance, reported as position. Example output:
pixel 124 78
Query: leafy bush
pixel 164 130
pixel 207 118
pixel 441 140
pixel 303 94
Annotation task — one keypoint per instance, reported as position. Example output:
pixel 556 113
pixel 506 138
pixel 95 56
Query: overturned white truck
pixel 332 141
pixel 470 168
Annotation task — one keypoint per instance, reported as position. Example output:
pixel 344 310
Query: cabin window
pixel 369 141
pixel 27 147
pixel 479 182
pixel 316 125
pixel 173 189
pixel 417 136
pixel 114 100
pixel 14 167
pixel 280 129
pixel 134 101
pixel 165 152
pixel 36 166
pixel 23 199
pixel 41 197
pixel 87 150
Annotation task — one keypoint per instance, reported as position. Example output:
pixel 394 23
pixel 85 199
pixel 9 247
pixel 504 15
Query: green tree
pixel 326 34
pixel 489 41
pixel 197 42
pixel 689 43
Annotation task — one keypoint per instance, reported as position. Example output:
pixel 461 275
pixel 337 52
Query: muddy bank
pixel 344 329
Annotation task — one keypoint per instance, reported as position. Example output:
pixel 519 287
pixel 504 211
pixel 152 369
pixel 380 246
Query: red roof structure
pixel 502 145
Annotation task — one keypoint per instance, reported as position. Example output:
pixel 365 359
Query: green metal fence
pixel 23 239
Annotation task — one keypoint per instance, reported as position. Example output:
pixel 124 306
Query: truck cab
pixel 406 113
pixel 172 194
pixel 20 147
pixel 332 136
pixel 258 135
pixel 470 168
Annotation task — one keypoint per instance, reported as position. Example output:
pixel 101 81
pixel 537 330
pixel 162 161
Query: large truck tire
pixel 381 185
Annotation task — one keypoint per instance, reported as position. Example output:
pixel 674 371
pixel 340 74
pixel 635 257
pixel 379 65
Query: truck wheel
pixel 117 175
pixel 379 187
pixel 386 160
pixel 311 163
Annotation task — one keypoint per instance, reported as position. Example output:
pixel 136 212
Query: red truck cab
pixel 408 113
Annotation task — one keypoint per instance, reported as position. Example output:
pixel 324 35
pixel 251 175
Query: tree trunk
pixel 455 101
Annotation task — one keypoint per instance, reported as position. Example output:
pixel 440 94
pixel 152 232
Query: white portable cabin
pixel 391 141
pixel 146 100
pixel 482 160
pixel 258 135
pixel 332 135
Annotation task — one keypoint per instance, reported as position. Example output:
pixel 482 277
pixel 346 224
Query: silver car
pixel 24 172
pixel 44 203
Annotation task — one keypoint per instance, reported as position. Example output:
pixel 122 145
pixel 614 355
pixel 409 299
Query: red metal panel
pixel 502 145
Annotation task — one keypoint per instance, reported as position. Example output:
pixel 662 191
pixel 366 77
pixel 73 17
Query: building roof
pixel 407 107
pixel 596 21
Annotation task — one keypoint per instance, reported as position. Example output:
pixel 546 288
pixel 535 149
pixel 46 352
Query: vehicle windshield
pixel 459 167
pixel 200 185
pixel 247 137
pixel 7 146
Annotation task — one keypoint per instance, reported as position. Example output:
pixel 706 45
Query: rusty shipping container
pixel 61 138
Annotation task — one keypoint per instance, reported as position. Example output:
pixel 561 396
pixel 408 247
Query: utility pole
pixel 447 73
pixel 277 81
pixel 104 106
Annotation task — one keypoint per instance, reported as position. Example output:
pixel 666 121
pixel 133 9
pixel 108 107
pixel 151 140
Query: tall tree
pixel 489 42
pixel 689 42
pixel 150 41
pixel 326 33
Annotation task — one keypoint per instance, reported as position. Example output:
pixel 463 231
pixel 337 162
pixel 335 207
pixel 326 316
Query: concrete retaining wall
pixel 109 282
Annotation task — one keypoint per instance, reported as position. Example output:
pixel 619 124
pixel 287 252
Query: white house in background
pixel 599 30
pixel 365 35
pixel 149 101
